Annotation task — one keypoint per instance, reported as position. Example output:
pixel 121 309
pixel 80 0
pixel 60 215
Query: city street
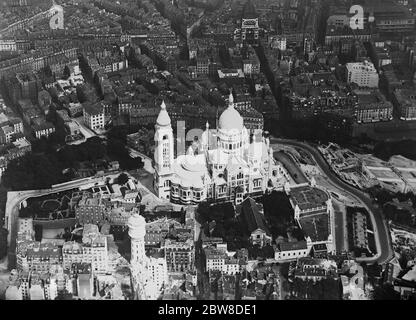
pixel 383 238
pixel 288 162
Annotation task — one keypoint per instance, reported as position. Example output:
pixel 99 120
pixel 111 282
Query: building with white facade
pixel 214 259
pixel 94 248
pixel 231 266
pixel 226 164
pixel 405 103
pixel 180 255
pixel 364 74
pixel 8 45
pixel 13 293
pixel 290 251
pixel 43 129
pixel 372 106
pixel 158 271
pixel 217 259
pixel 25 225
pixel 36 291
pixel 150 274
pixel 314 213
pixel 251 65
pixel 71 253
pixel 338 19
pixel 278 42
pixel 94 116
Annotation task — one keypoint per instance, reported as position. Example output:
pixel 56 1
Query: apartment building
pixel 94 116
pixel 364 74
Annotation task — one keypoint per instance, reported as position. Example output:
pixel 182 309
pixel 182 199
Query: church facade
pixel 249 31
pixel 226 164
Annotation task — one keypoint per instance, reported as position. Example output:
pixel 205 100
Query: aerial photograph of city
pixel 227 151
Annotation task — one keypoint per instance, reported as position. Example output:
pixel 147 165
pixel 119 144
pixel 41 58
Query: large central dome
pixel 231 118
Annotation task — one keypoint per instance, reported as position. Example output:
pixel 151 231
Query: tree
pixel 122 178
pixel 255 252
pixel 91 150
pixel 219 230
pixel 203 212
pixel 33 171
pixel 229 211
pixel 278 211
pixel 67 72
pixel 268 251
pixel 385 150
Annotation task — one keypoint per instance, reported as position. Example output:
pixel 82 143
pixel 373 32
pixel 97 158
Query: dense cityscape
pixel 208 150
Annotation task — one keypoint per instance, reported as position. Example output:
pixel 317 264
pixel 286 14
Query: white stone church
pixel 226 164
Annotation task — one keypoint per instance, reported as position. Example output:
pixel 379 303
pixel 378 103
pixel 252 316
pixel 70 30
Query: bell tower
pixel 163 155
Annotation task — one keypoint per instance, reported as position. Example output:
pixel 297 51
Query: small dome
pixel 137 226
pixel 163 119
pixel 231 118
pixel 194 163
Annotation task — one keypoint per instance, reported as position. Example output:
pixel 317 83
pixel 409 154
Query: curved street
pixel 15 198
pixel 289 163
pixel 381 231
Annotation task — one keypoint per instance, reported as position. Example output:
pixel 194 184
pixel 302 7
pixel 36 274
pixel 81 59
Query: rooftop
pixel 72 246
pixel 212 253
pixel 307 198
pixel 255 220
pixel 43 250
pixel 315 227
pixel 405 96
pixel 93 109
pixel 289 246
